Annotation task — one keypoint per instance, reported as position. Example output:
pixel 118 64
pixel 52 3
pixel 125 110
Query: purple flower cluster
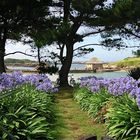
pixel 42 82
pixel 11 81
pixel 115 87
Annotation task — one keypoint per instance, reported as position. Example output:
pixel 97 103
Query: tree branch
pixel 88 45
pixel 66 9
pixel 20 53
pixel 92 33
pixel 103 45
pixel 61 53
pixel 130 32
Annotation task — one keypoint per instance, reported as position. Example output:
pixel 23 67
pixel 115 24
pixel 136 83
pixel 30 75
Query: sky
pixel 108 55
pixel 101 53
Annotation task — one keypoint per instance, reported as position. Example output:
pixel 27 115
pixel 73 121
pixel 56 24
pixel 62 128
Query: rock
pixel 107 138
pixel 90 138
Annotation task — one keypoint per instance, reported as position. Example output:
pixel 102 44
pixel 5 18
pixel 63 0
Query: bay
pixel 20 68
pixel 76 76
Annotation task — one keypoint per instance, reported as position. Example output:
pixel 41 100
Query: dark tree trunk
pixel 2 53
pixel 64 71
pixel 3 38
pixel 38 56
pixel 71 40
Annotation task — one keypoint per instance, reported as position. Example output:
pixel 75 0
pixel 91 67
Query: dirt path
pixel 75 123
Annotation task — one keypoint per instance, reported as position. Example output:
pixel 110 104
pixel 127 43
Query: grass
pixel 75 123
pixel 128 62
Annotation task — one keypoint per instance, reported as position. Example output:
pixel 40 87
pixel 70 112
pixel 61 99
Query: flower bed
pixel 11 81
pixel 115 102
pixel 27 110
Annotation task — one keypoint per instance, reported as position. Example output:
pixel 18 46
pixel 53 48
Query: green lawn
pixel 134 61
pixel 75 123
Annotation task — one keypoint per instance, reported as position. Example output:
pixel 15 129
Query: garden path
pixel 75 123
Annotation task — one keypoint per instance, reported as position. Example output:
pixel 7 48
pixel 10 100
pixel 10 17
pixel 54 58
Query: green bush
pixel 94 103
pixel 134 73
pixel 82 96
pixel 123 119
pixel 27 114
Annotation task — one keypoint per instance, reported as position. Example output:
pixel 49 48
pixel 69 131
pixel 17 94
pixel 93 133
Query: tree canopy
pixel 18 19
pixel 75 15
pixel 128 26
pixel 61 22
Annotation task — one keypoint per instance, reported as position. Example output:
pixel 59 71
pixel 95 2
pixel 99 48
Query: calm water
pixel 76 66
pixel 116 74
pixel 20 68
pixel 73 67
pixel 76 76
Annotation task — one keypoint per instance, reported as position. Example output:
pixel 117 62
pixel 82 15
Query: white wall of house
pixel 94 66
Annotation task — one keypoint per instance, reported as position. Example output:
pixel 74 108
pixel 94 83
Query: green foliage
pixel 41 68
pixel 135 73
pixel 82 96
pixel 94 103
pixel 83 51
pixel 113 43
pixel 121 114
pixel 52 70
pixel 22 61
pixel 86 6
pixel 75 123
pixel 136 53
pixel 61 33
pixel 27 13
pixel 123 119
pixel 121 6
pixel 128 62
pixel 27 114
pixel 47 69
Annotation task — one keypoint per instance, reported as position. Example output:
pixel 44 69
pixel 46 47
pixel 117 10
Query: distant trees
pixel 60 23
pixel 75 15
pixel 23 61
pixel 17 18
pixel 126 23
pixel 136 53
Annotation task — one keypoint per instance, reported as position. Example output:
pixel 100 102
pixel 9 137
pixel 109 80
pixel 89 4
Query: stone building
pixel 94 64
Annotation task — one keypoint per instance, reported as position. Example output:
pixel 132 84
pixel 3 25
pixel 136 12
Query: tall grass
pixel 27 114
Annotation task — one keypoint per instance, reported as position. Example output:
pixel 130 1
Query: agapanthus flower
pixel 11 81
pixel 116 86
pixel 138 100
pixel 41 82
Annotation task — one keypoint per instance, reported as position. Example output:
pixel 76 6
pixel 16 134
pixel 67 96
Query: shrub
pixel 27 114
pixel 43 68
pixel 82 96
pixel 94 103
pixel 134 73
pixel 122 117
pixel 98 106
pixel 40 81
pixel 116 99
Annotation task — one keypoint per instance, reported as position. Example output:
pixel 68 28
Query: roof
pixel 94 60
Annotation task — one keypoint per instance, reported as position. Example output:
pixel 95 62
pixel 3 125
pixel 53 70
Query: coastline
pixel 72 71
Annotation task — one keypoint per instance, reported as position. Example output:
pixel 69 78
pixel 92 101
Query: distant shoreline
pixel 71 71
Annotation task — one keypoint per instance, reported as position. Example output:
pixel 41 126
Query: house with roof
pixel 94 64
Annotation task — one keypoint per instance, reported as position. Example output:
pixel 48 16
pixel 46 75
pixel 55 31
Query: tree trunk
pixel 64 71
pixel 38 56
pixel 3 38
pixel 2 53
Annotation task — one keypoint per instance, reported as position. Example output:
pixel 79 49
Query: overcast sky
pixel 99 52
